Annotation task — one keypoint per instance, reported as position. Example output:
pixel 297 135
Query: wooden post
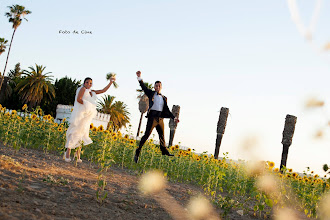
pixel 221 129
pixel 289 127
pixel 172 124
pixel 143 107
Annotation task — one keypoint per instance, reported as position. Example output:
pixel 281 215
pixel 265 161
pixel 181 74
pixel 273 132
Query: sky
pixel 248 56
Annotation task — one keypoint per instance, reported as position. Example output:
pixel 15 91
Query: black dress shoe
pixel 136 156
pixel 167 154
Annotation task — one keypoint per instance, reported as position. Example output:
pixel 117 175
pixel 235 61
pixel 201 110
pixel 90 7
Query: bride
pixel 84 110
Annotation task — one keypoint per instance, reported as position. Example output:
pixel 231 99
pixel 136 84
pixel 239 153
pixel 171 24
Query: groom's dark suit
pixel 155 120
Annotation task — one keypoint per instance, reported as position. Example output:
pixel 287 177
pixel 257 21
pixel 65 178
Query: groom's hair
pixel 87 78
pixel 158 82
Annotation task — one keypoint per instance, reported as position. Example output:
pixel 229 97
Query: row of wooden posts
pixel 289 127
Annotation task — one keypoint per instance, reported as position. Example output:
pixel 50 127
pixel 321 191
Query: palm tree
pixel 3 45
pixel 17 12
pixel 119 115
pixel 143 103
pixel 35 86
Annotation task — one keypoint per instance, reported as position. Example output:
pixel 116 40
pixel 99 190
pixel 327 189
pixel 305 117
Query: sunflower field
pixel 255 188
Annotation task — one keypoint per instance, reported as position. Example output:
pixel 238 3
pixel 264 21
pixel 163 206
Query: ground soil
pixel 39 185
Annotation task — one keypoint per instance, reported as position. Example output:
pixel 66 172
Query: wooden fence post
pixel 172 124
pixel 221 129
pixel 289 127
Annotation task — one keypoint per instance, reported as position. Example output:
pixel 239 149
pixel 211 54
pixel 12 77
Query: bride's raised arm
pixel 105 88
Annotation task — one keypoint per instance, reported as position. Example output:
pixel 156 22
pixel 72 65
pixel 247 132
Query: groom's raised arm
pixel 147 91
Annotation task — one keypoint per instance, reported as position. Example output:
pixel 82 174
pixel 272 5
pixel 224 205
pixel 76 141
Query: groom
pixel 158 110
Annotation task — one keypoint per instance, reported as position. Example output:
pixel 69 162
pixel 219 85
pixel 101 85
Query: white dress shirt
pixel 158 103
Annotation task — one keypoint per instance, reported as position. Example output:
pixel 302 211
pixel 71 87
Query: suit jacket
pixel 166 113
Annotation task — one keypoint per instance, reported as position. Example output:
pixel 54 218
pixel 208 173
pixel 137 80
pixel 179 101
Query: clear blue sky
pixel 244 55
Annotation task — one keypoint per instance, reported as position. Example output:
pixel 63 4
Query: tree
pixel 35 86
pixel 143 103
pixel 15 15
pixel 11 99
pixel 119 115
pixel 3 45
pixel 65 92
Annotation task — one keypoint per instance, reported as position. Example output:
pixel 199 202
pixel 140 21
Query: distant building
pixel 64 111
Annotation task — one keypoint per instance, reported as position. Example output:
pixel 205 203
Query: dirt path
pixel 35 185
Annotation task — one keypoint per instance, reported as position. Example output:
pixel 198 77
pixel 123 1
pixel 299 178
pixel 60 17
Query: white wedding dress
pixel 80 120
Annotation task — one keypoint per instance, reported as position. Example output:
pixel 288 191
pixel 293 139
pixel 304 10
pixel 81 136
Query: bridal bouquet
pixel 112 75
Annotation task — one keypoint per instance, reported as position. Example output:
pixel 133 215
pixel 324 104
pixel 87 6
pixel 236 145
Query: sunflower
pixel 13 112
pixel 189 150
pixel 91 126
pixel 295 175
pixel 172 148
pixel 312 171
pixel 288 175
pixel 106 131
pixel 176 146
pixel 24 107
pixel 276 169
pixel 94 129
pixel 290 170
pixel 126 136
pixel 33 116
pixel 100 128
pixel 131 141
pixel 271 165
pixel 198 159
pixel 64 119
pixel 316 176
pixel 60 129
pixel 205 156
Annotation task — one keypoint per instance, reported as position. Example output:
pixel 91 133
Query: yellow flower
pixel 316 176
pixel 131 141
pixel 271 165
pixel 91 126
pixel 33 116
pixel 172 148
pixel 295 175
pixel 100 128
pixel 126 136
pixel 0 106
pixel 189 150
pixel 106 131
pixel 94 129
pixel 276 169
pixel 60 129
pixel 71 109
pixel 198 158
pixel 290 170
pixel 64 119
pixel 7 114
pixel 13 112
pixel 24 107
pixel 205 156
pixel 288 175
pixel 176 146
pixel 312 171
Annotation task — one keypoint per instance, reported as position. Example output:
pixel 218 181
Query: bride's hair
pixel 87 78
